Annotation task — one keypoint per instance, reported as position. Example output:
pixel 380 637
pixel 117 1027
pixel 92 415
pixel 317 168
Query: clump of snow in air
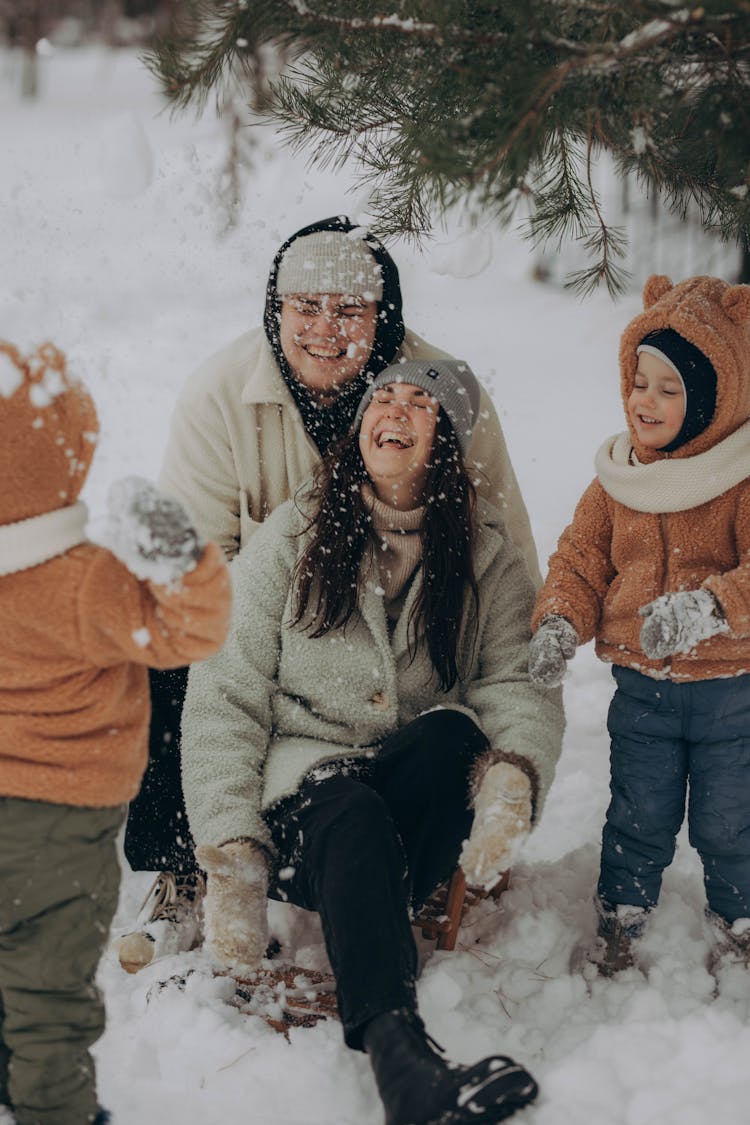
pixel 137 290
pixel 126 160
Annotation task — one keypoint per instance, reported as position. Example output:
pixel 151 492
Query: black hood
pixel 327 424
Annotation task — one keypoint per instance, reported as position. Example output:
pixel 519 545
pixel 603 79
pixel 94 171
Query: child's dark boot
pixel 728 955
pixel 419 1087
pixel 618 931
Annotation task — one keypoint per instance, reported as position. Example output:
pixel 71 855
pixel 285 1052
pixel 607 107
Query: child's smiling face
pixel 656 406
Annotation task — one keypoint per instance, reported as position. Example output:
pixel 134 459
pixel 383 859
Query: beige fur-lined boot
pixel 170 921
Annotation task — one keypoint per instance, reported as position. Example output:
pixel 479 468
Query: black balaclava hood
pixel 327 424
pixel 698 378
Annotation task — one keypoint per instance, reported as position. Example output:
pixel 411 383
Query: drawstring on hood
pixel 326 424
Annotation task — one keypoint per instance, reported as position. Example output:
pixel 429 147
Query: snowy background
pixel 110 246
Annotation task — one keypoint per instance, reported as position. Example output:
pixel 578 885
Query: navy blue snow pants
pixel 665 735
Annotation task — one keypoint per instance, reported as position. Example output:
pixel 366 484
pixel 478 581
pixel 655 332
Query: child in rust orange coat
pixel 656 567
pixel 79 627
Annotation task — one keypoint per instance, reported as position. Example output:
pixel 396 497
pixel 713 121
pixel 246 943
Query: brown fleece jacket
pixel 684 521
pixel 78 629
pixel 74 697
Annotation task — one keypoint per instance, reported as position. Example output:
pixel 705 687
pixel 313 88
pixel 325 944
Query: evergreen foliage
pixel 491 102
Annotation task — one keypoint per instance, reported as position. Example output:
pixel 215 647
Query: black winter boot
pixel 418 1087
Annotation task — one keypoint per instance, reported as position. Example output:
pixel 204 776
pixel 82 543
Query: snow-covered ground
pixel 110 247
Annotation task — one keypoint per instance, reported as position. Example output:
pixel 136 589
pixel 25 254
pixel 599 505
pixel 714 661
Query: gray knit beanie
pixel 330 261
pixel 450 381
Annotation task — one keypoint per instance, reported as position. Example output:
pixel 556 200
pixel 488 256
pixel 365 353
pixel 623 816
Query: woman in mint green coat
pixel 371 721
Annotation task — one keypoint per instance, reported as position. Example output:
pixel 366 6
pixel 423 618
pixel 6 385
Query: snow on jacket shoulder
pixel 238 447
pixel 78 634
pixel 274 703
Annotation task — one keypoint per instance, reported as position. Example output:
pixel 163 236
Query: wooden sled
pixel 283 995
pixel 287 996
pixel 441 916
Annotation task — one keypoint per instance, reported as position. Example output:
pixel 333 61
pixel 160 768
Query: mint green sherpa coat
pixel 274 703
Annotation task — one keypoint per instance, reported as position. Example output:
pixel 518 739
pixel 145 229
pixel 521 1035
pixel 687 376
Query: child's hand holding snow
pixel 502 821
pixel 678 622
pixel 235 908
pixel 551 647
pixel 150 533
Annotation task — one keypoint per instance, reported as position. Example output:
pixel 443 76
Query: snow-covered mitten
pixel 235 909
pixel 150 532
pixel 502 821
pixel 678 622
pixel 551 647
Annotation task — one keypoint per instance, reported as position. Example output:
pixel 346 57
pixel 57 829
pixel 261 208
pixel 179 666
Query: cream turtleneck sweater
pixel 398 549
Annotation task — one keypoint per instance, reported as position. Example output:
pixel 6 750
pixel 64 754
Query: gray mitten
pixel 235 908
pixel 551 647
pixel 678 622
pixel 150 533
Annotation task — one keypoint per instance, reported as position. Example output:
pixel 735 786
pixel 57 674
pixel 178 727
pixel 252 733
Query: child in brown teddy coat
pixel 79 629
pixel 656 567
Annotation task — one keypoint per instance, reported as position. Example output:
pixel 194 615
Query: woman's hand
pixel 235 908
pixel 502 821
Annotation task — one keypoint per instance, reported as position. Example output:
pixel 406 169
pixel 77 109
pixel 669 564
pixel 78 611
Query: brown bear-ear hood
pixel 48 433
pixel 713 316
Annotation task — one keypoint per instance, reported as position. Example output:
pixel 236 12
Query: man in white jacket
pixel 249 427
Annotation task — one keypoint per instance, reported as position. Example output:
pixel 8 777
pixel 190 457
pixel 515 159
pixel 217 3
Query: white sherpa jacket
pixel 238 447
pixel 274 703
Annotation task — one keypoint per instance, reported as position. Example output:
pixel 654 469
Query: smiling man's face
pixel 327 338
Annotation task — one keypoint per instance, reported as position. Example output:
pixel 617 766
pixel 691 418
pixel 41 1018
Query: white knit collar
pixel 672 484
pixel 31 542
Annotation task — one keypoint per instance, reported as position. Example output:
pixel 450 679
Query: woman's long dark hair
pixel 327 575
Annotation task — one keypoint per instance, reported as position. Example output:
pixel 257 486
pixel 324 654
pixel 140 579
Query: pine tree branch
pixel 443 101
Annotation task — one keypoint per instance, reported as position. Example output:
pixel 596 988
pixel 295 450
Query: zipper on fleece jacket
pixel 665 661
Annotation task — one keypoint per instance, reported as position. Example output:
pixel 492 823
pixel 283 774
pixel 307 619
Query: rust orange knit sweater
pixel 77 634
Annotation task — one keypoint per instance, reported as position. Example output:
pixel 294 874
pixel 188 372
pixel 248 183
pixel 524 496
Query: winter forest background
pixel 127 239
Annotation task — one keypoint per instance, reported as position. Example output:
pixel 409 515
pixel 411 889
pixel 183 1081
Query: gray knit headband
pixel 330 261
pixel 450 381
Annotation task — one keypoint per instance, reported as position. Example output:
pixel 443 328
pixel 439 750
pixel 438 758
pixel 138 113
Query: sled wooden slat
pixel 440 918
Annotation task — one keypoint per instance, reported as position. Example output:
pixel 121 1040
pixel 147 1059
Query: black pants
pixel 362 844
pixel 157 837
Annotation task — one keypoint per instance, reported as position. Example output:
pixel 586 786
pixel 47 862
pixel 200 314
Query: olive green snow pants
pixel 59 880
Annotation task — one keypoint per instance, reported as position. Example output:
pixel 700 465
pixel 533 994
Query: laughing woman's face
pixel 396 440
pixel 327 338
